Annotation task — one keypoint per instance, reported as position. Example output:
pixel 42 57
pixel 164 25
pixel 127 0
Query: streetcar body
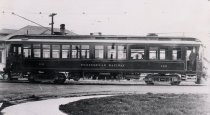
pixel 103 57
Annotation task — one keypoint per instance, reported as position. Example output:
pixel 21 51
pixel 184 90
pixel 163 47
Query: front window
pixel 121 52
pixel 85 51
pixel 111 52
pixel 76 51
pixel 46 51
pixel 27 51
pixel 153 53
pixel 99 52
pixel 37 50
pixel 55 51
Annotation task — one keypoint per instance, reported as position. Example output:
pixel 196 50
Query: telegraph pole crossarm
pixel 52 23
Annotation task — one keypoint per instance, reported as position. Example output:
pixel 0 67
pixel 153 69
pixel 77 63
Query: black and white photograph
pixel 104 57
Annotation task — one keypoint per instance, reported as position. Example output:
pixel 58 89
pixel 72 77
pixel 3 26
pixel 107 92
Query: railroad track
pixel 104 82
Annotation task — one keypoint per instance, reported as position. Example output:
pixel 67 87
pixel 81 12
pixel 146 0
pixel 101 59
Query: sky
pixel 115 17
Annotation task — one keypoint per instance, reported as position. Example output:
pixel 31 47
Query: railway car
pixel 58 57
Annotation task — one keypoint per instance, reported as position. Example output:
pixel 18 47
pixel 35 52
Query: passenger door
pixel 17 51
pixel 188 52
pixel 191 58
pixel 14 60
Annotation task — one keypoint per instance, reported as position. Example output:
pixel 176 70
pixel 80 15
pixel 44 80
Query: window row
pixel 99 52
pixel 73 51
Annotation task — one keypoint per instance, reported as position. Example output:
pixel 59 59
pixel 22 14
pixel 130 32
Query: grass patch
pixel 141 104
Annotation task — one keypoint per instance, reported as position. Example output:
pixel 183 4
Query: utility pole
pixel 52 15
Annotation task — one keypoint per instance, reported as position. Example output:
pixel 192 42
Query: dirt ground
pixel 15 91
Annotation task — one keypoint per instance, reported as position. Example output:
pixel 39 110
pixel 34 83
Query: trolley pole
pixel 52 23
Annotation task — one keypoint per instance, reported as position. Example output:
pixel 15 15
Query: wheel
pixel 175 83
pixel 149 82
pixel 59 81
pixel 76 78
pixel 5 76
pixel 198 81
pixel 175 80
pixel 9 76
pixel 94 77
pixel 128 79
pixel 31 78
pixel 60 78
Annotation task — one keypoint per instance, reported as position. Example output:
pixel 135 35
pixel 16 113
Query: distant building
pixel 32 30
pixel 6 32
pixel 37 30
